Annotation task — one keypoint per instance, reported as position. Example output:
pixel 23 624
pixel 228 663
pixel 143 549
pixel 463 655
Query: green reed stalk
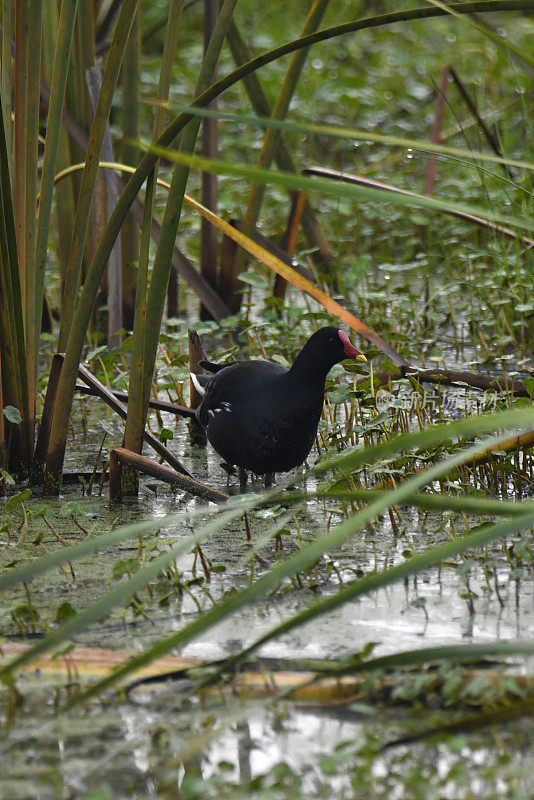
pixel 210 186
pixel 135 422
pixel 78 103
pixel 94 149
pixel 131 69
pixel 53 130
pixel 84 58
pixel 30 225
pixel 15 389
pixel 5 77
pixel 21 115
pixel 2 425
pixel 162 262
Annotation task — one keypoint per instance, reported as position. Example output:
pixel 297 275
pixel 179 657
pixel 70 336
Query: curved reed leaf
pixel 291 180
pixel 449 652
pixel 371 583
pixel 122 592
pixel 396 190
pixel 274 263
pixel 496 38
pixel 467 504
pixel 472 722
pixel 309 554
pixel 352 459
pixel 454 653
pixel 343 132
pixel 26 573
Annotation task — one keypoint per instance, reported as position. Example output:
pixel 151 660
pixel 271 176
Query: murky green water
pixel 126 749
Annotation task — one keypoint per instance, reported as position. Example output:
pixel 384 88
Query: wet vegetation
pixel 363 628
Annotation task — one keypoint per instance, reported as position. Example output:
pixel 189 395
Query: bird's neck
pixel 310 369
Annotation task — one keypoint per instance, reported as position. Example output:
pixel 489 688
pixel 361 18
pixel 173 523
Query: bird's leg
pixel 242 477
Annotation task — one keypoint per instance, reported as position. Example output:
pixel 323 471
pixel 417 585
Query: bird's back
pixel 257 419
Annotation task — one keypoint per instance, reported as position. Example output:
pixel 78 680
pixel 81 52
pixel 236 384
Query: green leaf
pixel 65 612
pixel 70 508
pixel 165 435
pixel 94 353
pixel 107 427
pixel 339 394
pixel 7 477
pixel 125 566
pixel 18 499
pixel 205 327
pixel 258 281
pixel 12 415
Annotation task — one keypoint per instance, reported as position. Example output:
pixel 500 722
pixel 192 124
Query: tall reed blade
pixel 81 222
pixel 135 421
pixel 131 69
pixel 6 74
pixel 30 224
pixel 56 447
pixel 13 344
pixel 210 134
pixel 173 208
pixel 53 130
pixel 21 117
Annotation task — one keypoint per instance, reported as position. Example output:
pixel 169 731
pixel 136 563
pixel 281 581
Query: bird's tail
pixel 200 382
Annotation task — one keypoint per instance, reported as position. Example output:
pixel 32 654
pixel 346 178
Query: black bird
pixel 262 417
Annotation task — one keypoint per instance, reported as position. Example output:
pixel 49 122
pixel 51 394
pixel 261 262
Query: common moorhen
pixel 262 417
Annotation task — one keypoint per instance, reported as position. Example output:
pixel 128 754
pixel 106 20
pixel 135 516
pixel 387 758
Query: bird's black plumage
pixel 263 417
